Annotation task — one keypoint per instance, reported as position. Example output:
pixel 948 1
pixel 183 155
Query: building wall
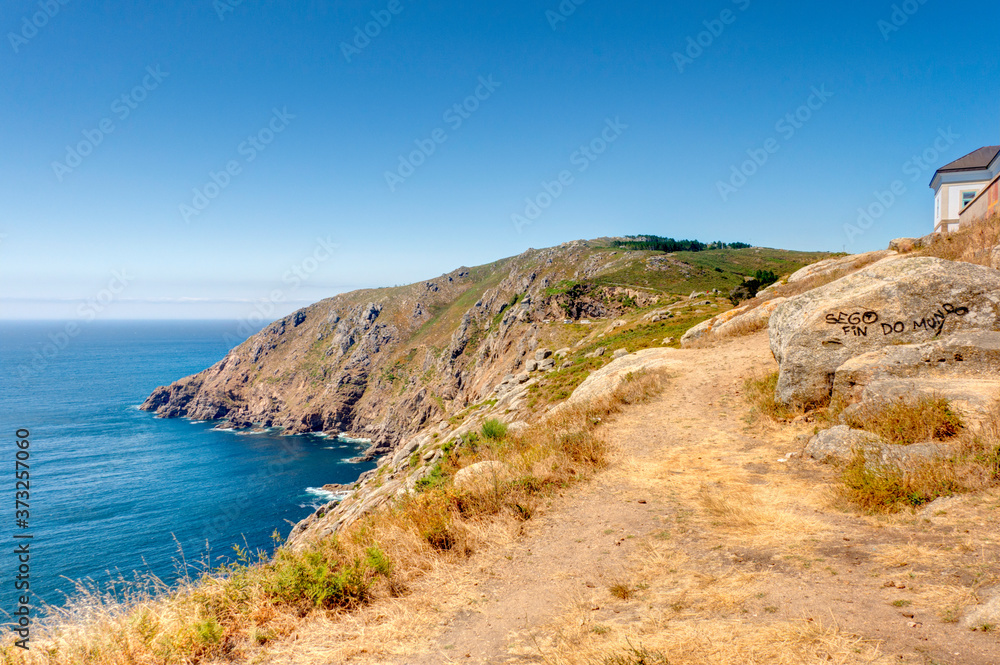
pixel 955 196
pixel 948 189
pixel 948 204
pixel 986 204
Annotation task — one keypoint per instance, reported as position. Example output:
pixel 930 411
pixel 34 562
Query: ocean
pixel 115 491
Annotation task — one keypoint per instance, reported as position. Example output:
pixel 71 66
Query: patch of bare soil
pixel 704 541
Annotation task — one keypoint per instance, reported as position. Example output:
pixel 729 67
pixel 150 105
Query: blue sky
pixel 300 133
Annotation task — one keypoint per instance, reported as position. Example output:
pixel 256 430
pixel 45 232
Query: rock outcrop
pixel 894 301
pixel 841 443
pixel 382 364
pixel 414 368
pixel 747 318
pixel 963 368
pixel 838 266
pixel 605 380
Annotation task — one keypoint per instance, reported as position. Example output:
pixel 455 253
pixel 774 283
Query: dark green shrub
pixel 744 291
pixel 315 578
pixel 493 430
pixel 436 478
pixel 765 278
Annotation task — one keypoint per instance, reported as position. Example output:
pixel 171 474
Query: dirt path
pixel 720 547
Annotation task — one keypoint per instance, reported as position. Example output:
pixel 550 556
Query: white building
pixel 959 183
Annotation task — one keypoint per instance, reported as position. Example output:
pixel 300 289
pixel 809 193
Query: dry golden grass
pixel 668 593
pixel 761 392
pixel 947 601
pixel 972 466
pixel 690 611
pixel 696 641
pixel 902 421
pixel 972 244
pixel 755 512
pixel 901 555
pixel 745 326
pixel 684 587
pixel 238 613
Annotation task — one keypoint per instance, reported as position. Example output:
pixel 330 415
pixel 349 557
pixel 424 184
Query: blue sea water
pixel 115 490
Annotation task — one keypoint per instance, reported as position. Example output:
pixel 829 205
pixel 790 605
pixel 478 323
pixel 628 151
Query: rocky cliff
pixel 382 364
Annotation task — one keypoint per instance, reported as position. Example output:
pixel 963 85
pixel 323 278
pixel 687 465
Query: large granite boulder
pixel 699 331
pixel 747 318
pixel 837 444
pixel 963 368
pixel 838 266
pixel 894 301
pixel 973 399
pixel 605 380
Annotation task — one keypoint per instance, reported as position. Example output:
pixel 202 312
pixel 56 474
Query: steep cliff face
pixel 382 364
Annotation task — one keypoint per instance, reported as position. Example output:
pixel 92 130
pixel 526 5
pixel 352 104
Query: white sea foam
pixel 321 493
pixel 353 440
pixel 322 497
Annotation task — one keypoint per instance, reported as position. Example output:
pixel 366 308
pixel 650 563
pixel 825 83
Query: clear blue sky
pixel 199 80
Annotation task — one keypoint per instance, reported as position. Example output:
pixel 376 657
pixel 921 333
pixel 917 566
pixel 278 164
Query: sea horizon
pixel 116 491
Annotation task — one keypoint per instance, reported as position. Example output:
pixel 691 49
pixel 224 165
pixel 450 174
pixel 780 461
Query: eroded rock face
pixel 963 368
pixel 894 301
pixel 907 245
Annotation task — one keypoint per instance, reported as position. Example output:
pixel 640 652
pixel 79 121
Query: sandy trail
pixel 713 528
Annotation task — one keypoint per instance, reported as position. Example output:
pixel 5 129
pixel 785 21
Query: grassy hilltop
pixel 429 359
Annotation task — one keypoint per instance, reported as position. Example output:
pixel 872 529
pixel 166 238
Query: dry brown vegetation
pixel 728 550
pixel 972 465
pixel 761 393
pixel 745 326
pixel 973 244
pixel 230 614
pixel 925 418
pixel 699 544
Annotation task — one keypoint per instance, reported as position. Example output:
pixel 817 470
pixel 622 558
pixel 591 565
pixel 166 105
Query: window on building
pixel 967 198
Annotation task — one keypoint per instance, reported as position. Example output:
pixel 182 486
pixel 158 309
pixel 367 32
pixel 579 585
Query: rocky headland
pixel 597 453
